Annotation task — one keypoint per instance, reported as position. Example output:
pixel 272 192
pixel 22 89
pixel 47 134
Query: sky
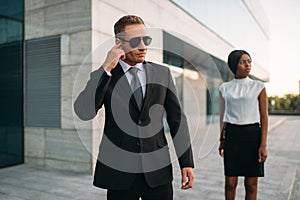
pixel 284 52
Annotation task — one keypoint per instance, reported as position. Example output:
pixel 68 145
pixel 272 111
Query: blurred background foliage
pixel 287 103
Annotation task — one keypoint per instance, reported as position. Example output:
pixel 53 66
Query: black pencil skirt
pixel 241 150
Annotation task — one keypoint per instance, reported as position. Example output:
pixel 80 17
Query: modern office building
pixel 48 48
pixel 11 82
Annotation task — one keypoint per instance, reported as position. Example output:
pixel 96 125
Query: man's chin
pixel 140 60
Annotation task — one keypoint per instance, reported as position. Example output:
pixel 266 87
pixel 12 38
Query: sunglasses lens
pixel 134 42
pixel 147 40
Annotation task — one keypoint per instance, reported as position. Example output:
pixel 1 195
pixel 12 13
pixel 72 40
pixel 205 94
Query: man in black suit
pixel 134 160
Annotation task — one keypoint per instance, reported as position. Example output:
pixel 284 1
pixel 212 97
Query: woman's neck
pixel 240 77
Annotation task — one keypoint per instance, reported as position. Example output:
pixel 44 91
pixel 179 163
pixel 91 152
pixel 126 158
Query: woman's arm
pixel 263 110
pixel 222 132
pixel 222 110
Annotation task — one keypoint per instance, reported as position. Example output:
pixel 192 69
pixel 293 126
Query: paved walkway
pixel 282 180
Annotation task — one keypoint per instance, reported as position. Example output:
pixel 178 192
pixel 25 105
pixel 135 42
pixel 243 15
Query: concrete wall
pixel 61 148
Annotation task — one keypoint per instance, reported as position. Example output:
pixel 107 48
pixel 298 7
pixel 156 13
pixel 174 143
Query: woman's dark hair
pixel 234 58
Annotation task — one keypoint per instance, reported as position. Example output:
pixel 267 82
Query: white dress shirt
pixel 141 74
pixel 241 100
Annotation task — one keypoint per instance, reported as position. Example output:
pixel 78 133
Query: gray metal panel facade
pixel 42 82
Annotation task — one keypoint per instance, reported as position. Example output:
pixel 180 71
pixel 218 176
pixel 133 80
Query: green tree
pixel 290 102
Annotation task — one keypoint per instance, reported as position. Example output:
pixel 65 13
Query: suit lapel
pixel 149 83
pixel 119 75
pixel 122 82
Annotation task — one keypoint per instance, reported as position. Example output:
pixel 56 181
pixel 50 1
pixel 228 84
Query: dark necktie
pixel 136 87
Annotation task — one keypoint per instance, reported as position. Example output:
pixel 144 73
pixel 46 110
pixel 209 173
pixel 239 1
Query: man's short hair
pixel 119 26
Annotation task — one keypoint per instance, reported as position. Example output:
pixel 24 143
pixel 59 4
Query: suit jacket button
pixel 140 122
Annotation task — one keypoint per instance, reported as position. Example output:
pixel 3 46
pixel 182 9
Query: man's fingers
pixel 183 178
pixel 187 178
pixel 113 57
pixel 120 52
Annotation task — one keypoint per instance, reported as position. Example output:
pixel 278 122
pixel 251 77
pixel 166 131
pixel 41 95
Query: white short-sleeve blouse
pixel 241 100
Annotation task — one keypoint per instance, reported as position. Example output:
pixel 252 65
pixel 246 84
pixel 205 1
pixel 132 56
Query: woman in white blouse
pixel 244 125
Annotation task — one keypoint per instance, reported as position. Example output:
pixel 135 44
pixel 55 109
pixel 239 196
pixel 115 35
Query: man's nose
pixel 142 45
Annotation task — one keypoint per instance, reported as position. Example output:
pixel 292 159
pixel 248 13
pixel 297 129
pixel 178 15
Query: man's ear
pixel 117 41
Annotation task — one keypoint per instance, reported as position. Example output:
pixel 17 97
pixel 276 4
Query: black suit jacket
pixel 134 140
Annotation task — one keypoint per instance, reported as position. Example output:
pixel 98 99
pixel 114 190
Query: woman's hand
pixel 262 154
pixel 221 148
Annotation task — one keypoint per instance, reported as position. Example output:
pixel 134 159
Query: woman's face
pixel 244 67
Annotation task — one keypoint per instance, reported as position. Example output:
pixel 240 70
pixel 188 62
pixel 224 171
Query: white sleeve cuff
pixel 108 73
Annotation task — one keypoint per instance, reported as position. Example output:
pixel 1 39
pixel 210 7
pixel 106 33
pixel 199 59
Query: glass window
pixel 10 30
pixel 197 76
pixel 232 21
pixel 11 83
pixel 12 8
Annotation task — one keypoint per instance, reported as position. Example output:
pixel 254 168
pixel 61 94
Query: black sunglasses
pixel 134 42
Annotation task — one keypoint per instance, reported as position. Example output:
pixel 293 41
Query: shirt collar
pixel 241 80
pixel 126 67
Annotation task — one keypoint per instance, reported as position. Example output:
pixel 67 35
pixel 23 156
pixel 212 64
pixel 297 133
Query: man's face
pixel 135 51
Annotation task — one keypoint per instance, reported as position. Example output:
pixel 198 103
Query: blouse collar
pixel 241 80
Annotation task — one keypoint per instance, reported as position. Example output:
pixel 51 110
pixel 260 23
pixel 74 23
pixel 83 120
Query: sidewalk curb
pixel 288 184
pixel 279 122
pixel 293 186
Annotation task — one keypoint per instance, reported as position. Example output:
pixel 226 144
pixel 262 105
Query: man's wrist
pixel 187 167
pixel 107 71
